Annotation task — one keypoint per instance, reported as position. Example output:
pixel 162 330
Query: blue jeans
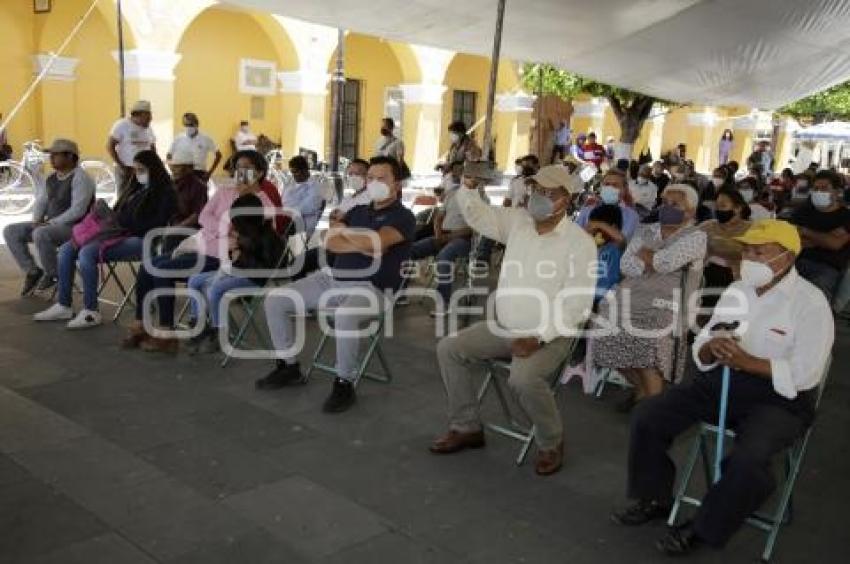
pixel 129 249
pixel 824 276
pixel 213 286
pixel 446 256
pixel 147 282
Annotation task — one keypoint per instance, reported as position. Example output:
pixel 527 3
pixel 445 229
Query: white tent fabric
pixel 829 131
pixel 756 53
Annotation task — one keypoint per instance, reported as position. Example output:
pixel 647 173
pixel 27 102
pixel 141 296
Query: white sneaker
pixel 56 312
pixel 85 319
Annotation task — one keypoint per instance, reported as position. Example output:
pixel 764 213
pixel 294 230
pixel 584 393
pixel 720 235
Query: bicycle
pixel 19 181
pixel 104 180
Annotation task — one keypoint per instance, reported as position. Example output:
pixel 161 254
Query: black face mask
pixel 385 131
pixel 724 216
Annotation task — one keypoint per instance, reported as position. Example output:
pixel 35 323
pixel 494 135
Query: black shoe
pixel 31 280
pixel 640 513
pixel 680 541
pixel 283 375
pixel 195 345
pixel 46 283
pixel 342 397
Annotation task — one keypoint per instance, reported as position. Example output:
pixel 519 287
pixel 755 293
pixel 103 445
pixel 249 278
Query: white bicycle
pixel 20 180
pixel 104 180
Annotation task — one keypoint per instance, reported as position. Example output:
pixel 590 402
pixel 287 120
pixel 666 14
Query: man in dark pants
pixel 782 336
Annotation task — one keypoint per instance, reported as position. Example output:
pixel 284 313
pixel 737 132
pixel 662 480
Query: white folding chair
pixel 768 521
pixel 513 428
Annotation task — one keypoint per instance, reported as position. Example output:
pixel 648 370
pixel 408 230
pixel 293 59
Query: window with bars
pixel 350 118
pixel 463 107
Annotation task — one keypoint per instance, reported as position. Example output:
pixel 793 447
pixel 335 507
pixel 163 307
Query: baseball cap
pixel 64 146
pixel 141 106
pixel 772 231
pixel 554 176
pixel 182 157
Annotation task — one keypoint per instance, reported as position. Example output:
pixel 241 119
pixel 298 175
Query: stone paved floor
pixel 113 457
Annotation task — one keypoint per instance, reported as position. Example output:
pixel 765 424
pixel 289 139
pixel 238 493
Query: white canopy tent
pixel 756 53
pixel 829 131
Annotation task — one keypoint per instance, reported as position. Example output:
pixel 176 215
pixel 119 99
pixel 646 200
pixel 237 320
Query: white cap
pixel 182 157
pixel 686 190
pixel 141 106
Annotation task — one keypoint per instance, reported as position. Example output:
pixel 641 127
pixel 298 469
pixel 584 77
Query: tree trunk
pixel 631 118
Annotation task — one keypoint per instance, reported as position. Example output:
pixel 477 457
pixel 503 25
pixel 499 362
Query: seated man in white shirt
pixel 545 294
pixel 198 144
pixel 774 330
pixel 305 196
pixel 245 140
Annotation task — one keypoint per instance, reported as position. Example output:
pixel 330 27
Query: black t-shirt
pixel 388 275
pixel 809 216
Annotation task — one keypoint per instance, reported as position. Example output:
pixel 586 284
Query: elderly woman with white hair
pixel 641 343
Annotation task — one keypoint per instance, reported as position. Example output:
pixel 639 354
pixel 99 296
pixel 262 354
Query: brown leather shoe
pixel 134 337
pixel 159 345
pixel 549 461
pixel 455 441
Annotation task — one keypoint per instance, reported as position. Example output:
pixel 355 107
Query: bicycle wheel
pixel 104 180
pixel 17 189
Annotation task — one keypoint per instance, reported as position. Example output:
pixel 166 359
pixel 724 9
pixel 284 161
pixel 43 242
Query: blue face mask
pixel 821 200
pixel 609 194
pixel 540 207
pixel 670 215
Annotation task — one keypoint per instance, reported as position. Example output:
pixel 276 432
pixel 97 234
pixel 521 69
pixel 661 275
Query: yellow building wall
pixel 371 61
pixel 16 31
pixel 207 76
pixel 472 73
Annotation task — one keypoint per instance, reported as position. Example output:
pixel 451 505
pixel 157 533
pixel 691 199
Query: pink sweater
pixel 215 221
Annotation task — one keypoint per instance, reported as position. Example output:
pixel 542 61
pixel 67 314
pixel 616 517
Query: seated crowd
pixel 628 254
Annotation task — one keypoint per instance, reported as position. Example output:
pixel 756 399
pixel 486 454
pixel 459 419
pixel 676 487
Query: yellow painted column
pixel 785 143
pixel 423 116
pixel 513 128
pixel 304 111
pixel 57 98
pixel 150 76
pixel 700 139
pixel 589 115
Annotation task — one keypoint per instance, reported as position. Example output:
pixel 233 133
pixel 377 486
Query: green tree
pixel 630 108
pixel 828 105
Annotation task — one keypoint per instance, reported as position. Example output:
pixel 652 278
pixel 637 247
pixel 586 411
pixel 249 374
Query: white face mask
pixel 718 182
pixel 378 191
pixel 245 129
pixel 609 194
pixel 454 137
pixel 356 183
pixel 191 131
pixel 757 274
pixel 142 178
pixel 821 200
pixel 518 170
pixel 747 194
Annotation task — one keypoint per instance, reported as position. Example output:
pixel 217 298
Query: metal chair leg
pixel 696 447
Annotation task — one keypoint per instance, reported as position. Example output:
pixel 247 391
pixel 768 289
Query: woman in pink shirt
pixel 201 252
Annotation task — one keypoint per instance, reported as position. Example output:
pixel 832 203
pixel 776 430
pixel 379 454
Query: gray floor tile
pixel 106 549
pixel 313 519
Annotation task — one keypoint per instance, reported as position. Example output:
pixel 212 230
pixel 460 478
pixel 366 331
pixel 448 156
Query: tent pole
pixel 539 116
pixel 491 91
pixel 123 86
pixel 337 85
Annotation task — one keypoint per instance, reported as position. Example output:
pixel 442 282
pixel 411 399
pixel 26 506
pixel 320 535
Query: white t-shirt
pixel 517 190
pixel 201 145
pixel 245 141
pixel 131 139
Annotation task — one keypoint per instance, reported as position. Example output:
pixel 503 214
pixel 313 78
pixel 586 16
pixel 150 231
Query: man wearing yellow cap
pixel 774 331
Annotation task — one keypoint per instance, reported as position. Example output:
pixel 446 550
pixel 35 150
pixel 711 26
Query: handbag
pixel 97 223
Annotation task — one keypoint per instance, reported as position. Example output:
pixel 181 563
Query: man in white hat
pixel 60 203
pixel 128 137
pixel 544 296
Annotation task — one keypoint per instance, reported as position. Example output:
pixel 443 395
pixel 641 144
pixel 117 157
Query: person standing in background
pixel 199 144
pixel 561 141
pixel 725 146
pixel 128 137
pixel 245 140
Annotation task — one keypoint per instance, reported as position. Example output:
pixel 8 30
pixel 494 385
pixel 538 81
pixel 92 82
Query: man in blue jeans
pixel 452 236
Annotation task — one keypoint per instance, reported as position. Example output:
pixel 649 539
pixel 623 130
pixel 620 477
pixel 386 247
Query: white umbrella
pixel 829 131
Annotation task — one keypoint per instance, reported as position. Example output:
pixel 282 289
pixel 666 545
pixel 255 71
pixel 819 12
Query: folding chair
pixel 373 346
pixel 126 291
pixel 515 429
pixel 767 521
pixel 250 304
